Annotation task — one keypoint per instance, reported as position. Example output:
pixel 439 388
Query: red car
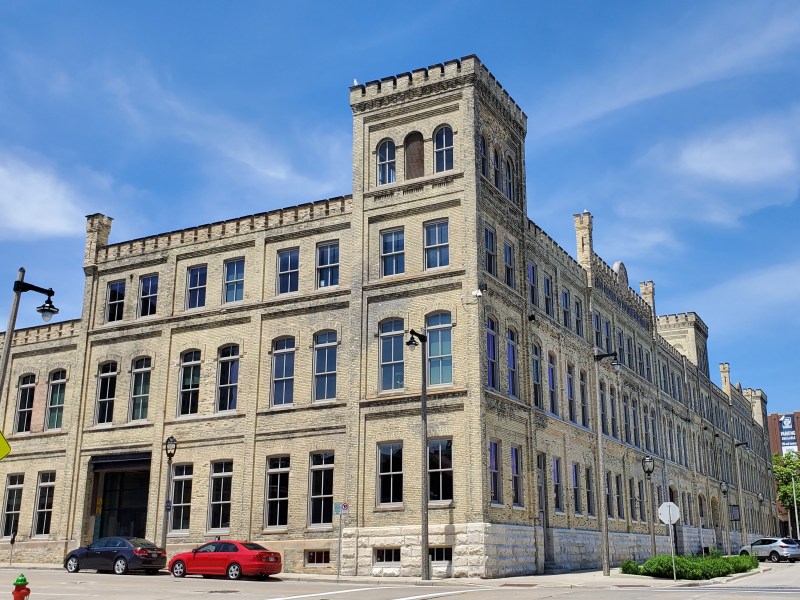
pixel 231 558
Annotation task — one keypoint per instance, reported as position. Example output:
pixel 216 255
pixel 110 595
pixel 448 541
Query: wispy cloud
pixel 712 47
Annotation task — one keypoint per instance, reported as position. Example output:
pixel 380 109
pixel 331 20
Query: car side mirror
pixel 194 551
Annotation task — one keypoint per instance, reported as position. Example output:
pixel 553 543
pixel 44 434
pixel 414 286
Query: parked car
pixel 118 554
pixel 232 558
pixel 774 549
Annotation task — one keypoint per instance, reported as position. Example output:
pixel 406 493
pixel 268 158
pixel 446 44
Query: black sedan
pixel 118 554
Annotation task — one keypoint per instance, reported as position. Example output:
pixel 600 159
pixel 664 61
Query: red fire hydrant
pixel 21 591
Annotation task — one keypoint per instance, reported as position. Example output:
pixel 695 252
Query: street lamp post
pixel 601 462
pixel 723 488
pixel 415 339
pixel 47 310
pixel 760 498
pixel 170 446
pixel 742 508
pixel 648 464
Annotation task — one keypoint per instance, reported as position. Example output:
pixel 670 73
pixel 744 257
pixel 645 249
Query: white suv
pixel 774 549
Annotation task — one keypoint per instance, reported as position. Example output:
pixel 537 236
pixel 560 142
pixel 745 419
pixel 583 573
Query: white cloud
pixel 727 43
pixel 35 201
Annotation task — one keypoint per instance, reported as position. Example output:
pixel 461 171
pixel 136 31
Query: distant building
pixel 784 433
pixel 273 348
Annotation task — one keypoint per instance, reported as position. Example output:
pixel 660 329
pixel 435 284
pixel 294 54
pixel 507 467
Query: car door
pixel 226 554
pixel 202 561
pixel 92 556
pixel 107 552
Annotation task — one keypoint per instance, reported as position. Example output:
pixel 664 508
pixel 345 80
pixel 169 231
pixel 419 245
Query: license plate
pixel 271 559
pixel 154 555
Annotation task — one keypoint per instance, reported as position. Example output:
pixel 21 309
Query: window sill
pixel 178 534
pixel 389 508
pixel 228 414
pixel 440 504
pixel 274 530
pixel 126 425
pixel 319 528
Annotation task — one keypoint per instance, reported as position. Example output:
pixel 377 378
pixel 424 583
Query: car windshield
pixel 253 546
pixel 142 543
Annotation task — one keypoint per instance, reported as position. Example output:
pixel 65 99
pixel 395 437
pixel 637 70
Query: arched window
pixel 440 348
pixel 106 392
pixel 483 155
pixel 55 399
pixel 552 383
pixel 190 383
pixel 509 181
pixel 283 371
pixel 511 362
pixel 140 388
pixel 443 149
pixel 498 173
pixel 491 353
pixel 391 355
pixel 227 377
pixel 325 365
pixel 386 163
pixel 27 387
pixel 414 150
pixel 537 376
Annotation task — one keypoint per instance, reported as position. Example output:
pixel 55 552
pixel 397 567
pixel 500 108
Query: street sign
pixel 5 449
pixel 669 513
pixel 341 508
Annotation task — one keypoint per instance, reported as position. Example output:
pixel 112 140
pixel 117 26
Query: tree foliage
pixel 784 467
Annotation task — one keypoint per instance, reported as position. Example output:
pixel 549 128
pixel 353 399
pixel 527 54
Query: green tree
pixel 784 468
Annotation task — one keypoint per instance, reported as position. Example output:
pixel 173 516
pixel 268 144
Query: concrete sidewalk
pixel 577 579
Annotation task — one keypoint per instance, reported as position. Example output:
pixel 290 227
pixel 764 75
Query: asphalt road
pixel 783 581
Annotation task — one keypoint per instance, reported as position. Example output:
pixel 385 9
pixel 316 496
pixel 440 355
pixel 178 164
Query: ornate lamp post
pixel 414 340
pixel 723 488
pixel 601 463
pixel 760 498
pixel 170 446
pixel 648 465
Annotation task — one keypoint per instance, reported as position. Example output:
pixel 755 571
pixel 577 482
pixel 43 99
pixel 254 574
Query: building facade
pixel 272 347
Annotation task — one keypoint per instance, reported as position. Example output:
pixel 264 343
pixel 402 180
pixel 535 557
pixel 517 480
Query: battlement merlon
pixel 468 68
pixel 682 320
pixel 98 230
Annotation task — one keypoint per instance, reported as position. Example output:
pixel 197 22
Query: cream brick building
pixel 271 347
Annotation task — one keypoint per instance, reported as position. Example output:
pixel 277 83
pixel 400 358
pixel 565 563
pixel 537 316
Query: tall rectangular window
pixel 13 503
pixel 106 392
pixel 283 371
pixel 440 470
pixel 629 352
pixel 621 346
pixel 219 509
pixel 614 422
pixel 634 505
pixel 288 270
pixel 572 407
pixel 648 366
pixel 234 280
pixel 437 245
pixel 115 301
pixel 491 251
pixel 533 285
pixel 511 362
pixel 537 376
pixel 44 503
pixel 494 472
pixel 509 262
pixel 321 497
pixel 390 473
pixel 181 497
pixel 392 363
pixel 598 335
pixel 325 349
pixel 609 342
pixel 558 487
pixel 491 354
pixel 590 510
pixel 440 349
pixel 552 385
pixel 148 295
pixel 190 383
pixel 140 388
pixel 277 504
pixel 196 286
pixel 640 362
pixel 55 399
pixel 566 309
pixel 27 389
pixel 603 409
pixel 620 497
pixel 393 261
pixel 328 265
pixel 577 496
pixel 584 394
pixel 642 504
pixel 609 495
pixel 516 476
pixel 626 418
pixel 579 317
pixel 548 297
pixel 228 378
pixel 635 420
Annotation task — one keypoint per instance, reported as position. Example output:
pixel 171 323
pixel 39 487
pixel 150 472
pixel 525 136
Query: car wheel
pixel 774 557
pixel 744 553
pixel 120 566
pixel 234 571
pixel 73 566
pixel 178 569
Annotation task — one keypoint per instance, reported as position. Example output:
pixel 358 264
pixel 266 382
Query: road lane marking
pixel 369 589
pixel 440 594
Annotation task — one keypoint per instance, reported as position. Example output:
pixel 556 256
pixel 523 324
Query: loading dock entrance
pixel 120 491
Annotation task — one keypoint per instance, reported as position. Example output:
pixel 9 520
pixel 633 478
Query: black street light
pixel 47 310
pixel 615 364
pixel 723 488
pixel 170 447
pixel 649 465
pixel 414 340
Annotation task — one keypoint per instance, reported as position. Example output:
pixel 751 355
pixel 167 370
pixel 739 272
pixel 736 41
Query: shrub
pixel 629 567
pixel 714 553
pixel 697 567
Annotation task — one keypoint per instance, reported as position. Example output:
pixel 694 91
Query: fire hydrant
pixel 21 591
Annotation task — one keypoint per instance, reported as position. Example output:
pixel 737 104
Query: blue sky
pixel 677 124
